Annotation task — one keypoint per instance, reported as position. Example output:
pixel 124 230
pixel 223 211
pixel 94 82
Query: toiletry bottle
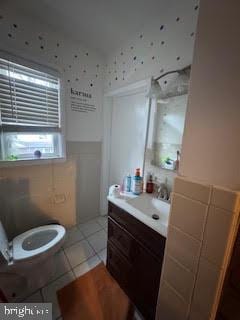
pixel 137 183
pixel 149 185
pixel 127 183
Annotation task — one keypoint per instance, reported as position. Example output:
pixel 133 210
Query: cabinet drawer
pixel 152 240
pixel 120 238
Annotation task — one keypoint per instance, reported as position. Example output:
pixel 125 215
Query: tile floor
pixel 84 248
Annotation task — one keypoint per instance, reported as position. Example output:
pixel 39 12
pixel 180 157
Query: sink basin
pixel 151 206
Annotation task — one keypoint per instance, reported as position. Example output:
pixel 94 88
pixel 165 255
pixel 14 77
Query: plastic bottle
pixel 137 183
pixel 149 185
pixel 127 183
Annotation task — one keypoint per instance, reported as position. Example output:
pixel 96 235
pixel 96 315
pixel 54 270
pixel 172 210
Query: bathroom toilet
pixel 28 251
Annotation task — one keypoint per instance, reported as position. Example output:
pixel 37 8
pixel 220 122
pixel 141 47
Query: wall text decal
pixel 82 101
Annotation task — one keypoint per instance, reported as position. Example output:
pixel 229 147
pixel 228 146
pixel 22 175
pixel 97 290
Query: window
pixel 30 113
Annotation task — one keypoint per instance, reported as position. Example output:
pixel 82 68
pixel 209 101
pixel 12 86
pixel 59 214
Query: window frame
pixel 56 73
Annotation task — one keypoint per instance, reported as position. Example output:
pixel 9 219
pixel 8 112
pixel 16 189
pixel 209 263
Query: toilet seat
pixel 36 241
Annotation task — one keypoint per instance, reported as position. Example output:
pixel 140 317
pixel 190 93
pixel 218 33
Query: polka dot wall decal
pixel 86 53
pixel 135 58
pixel 9 35
pixel 75 56
pixel 162 43
pixel 55 56
pixel 177 19
pixel 178 58
pixel 26 43
pixel 161 27
pixel 165 82
pixel 15 25
pixel 91 85
pixel 153 58
pixel 42 47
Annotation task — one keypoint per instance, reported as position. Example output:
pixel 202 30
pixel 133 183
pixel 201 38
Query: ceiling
pixel 102 25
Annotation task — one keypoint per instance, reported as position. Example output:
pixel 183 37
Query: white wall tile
pixel 50 292
pixel 79 252
pixel 170 306
pixel 216 235
pixel 192 190
pixel 183 248
pixel 225 199
pixel 188 215
pixel 86 266
pixel 205 288
pixel 73 235
pixel 98 240
pixel 181 279
pixel 89 227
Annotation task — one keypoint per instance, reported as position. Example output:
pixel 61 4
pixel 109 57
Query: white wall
pixel 211 144
pixel 81 68
pixel 152 51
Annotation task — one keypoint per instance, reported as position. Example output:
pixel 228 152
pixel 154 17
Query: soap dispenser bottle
pixel 149 184
pixel 137 183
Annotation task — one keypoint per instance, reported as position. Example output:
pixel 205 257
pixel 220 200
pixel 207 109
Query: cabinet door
pixel 120 269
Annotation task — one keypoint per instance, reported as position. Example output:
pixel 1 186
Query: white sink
pixel 143 208
pixel 151 206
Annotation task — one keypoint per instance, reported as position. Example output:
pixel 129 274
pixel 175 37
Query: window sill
pixel 31 162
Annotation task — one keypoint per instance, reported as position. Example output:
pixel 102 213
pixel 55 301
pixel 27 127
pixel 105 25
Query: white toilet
pixel 26 253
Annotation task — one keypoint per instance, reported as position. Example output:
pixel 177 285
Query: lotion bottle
pixel 137 183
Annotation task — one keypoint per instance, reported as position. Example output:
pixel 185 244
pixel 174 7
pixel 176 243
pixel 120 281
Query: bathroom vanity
pixel 135 247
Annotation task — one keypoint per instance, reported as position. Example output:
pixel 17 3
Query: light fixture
pixel 176 88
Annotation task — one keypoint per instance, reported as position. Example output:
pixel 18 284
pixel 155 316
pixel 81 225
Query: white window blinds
pixel 28 98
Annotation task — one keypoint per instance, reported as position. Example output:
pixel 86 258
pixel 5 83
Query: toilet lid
pixel 4 245
pixel 36 241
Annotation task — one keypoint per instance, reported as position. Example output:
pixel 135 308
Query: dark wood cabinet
pixel 134 258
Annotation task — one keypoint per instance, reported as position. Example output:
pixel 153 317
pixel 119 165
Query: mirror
pixel 166 125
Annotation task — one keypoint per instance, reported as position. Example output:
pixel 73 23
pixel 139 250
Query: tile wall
pixel 67 192
pixel 202 227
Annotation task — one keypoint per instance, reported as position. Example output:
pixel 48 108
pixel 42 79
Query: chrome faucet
pixel 162 192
